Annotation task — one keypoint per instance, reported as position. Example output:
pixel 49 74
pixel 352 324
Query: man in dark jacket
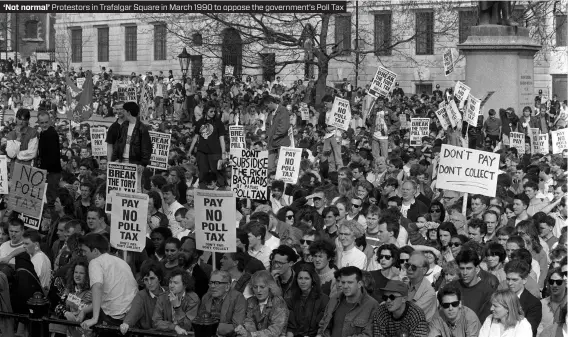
pixel 509 122
pixel 277 134
pixel 517 273
pixel 133 145
pixel 49 155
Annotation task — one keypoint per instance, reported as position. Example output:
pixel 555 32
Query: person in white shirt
pixel 15 246
pixel 257 249
pixel 42 264
pixel 170 207
pixel 349 255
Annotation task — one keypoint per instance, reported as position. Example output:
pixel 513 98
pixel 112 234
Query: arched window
pixel 31 29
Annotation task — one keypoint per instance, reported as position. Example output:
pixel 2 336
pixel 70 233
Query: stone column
pixel 500 59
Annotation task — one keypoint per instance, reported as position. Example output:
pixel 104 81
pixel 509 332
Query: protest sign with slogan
pixel 543 144
pixel 304 111
pixel 215 229
pixel 27 190
pixel 517 141
pixel 382 82
pixel 453 113
pixel 419 127
pixel 250 174
pixel 443 117
pixel 559 140
pixel 448 62
pixel 160 150
pixel 236 139
pixel 129 218
pixel 461 92
pixel 288 167
pixel 4 175
pixel 121 177
pixel 467 170
pixel 472 111
pixel 80 82
pixel 126 92
pixel 340 114
pixel 533 134
pixel 98 145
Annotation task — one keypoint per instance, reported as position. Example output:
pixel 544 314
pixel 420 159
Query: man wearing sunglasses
pixel 453 319
pixel 517 272
pixel 420 290
pixel 397 315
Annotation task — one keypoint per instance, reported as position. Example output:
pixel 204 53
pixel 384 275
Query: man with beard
pixel 189 260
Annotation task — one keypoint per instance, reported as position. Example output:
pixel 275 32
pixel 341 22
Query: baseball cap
pixel 396 84
pixel 540 91
pixel 437 86
pixel 396 287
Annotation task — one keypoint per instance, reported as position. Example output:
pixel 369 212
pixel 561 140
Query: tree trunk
pixel 323 67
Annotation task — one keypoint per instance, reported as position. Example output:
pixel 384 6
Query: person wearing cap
pixel 350 312
pixel 438 92
pixel 492 128
pixel 397 315
pixel 397 91
pixel 453 319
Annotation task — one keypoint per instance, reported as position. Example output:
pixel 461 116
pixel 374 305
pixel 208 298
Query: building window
pixel 76 45
pixel 561 30
pixel 467 20
pixel 197 39
pixel 31 29
pixel 196 66
pixel 102 44
pixel 160 39
pixel 424 33
pixel 268 66
pixel 423 88
pixel 343 34
pixel 383 34
pixel 131 43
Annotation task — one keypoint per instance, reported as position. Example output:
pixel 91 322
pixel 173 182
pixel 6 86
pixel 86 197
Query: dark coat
pixel 26 283
pixel 532 307
pixel 48 151
pixel 140 145
pixel 305 315
pixel 277 134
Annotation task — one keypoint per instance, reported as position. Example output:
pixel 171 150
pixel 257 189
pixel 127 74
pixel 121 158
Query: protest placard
pixel 215 229
pixel 517 141
pixel 129 218
pixel 533 135
pixel 340 114
pixel 443 117
pixel 80 82
pixel 4 174
pixel 31 221
pixel 453 113
pixel 382 82
pixel 160 150
pixel 121 177
pixel 472 111
pixel 448 62
pixel 27 190
pixel 304 111
pixel 467 170
pixel 419 127
pixel 229 71
pixel 288 167
pixel 98 145
pixel 127 93
pixel 95 79
pixel 559 140
pixel 236 139
pixel 461 92
pixel 250 174
pixel 543 144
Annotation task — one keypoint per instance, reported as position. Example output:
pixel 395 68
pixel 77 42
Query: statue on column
pixel 496 13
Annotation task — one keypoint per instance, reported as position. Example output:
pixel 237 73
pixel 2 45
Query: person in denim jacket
pixel 353 304
pixel 267 312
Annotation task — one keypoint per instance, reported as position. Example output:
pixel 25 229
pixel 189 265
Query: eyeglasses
pixel 390 297
pixel 453 304
pixel 404 260
pixel 289 217
pixel 411 267
pixel 308 242
pixel 216 283
pixel 386 257
pixel 356 206
pixel 557 282
pixel 436 210
pixel 454 244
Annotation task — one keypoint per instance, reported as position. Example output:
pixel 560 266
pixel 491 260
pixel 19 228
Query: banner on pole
pixel 472 111
pixel 288 167
pixel 448 62
pixel 80 82
pixel 382 82
pixel 453 113
pixel 98 145
pixel 517 141
pixel 467 170
pixel 129 218
pixel 461 92
pixel 121 177
pixel 27 190
pixel 559 140
pixel 160 150
pixel 543 144
pixel 250 174
pixel 304 111
pixel 443 117
pixel 215 229
pixel 4 175
pixel 533 134
pixel 419 127
pixel 236 139
pixel 340 114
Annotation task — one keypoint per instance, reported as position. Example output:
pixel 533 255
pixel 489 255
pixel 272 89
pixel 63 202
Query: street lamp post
pixel 184 63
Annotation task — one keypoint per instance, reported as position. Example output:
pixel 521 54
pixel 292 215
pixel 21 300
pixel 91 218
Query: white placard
pixel 250 174
pixel 559 140
pixel 215 229
pixel 129 218
pixel 517 141
pixel 543 144
pixel 443 117
pixel 419 127
pixel 304 111
pixel 80 82
pixel 98 145
pixel 453 113
pixel 467 170
pixel 121 177
pixel 461 92
pixel 288 167
pixel 340 114
pixel 236 139
pixel 382 82
pixel 472 111
pixel 533 134
pixel 4 174
pixel 160 150
pixel 448 62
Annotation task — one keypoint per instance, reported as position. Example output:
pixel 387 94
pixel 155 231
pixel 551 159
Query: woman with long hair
pixel 494 261
pixel 273 319
pixel 445 232
pixel 306 303
pixel 506 319
pixel 78 303
pixel 437 212
pixel 551 306
pixel 388 257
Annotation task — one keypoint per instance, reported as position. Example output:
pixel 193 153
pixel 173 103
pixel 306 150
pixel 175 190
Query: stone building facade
pixel 27 34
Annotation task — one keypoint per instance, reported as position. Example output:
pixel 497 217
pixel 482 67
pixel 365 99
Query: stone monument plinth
pixel 501 59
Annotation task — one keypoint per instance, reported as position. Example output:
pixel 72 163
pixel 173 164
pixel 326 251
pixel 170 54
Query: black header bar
pixel 174 7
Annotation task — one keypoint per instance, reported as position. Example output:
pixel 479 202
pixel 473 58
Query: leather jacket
pixel 140 144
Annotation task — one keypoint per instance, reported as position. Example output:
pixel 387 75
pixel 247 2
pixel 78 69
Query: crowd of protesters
pixel 364 244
